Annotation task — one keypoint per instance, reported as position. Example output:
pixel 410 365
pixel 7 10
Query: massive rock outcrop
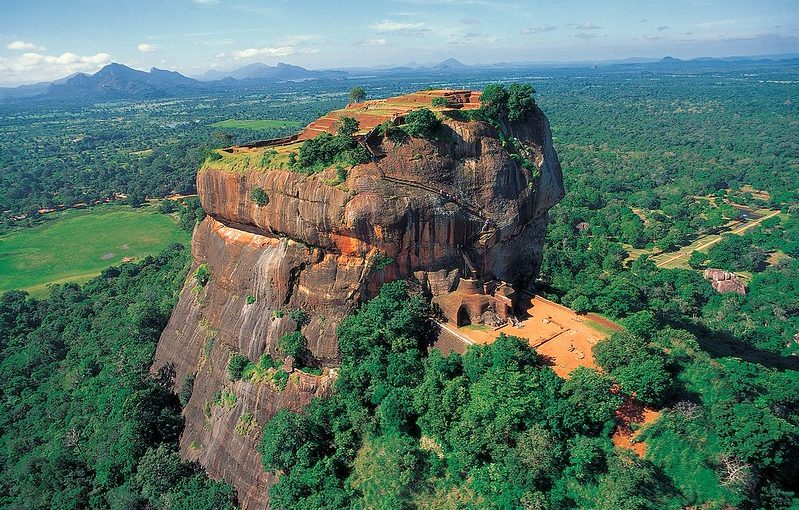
pixel 319 244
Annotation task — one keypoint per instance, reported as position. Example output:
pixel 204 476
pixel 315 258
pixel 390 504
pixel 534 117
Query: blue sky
pixel 48 39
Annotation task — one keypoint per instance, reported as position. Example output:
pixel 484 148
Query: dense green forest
pixel 84 423
pixel 496 428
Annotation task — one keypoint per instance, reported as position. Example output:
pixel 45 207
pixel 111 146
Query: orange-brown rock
pixel 323 246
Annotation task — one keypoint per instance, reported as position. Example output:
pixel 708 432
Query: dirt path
pixel 714 241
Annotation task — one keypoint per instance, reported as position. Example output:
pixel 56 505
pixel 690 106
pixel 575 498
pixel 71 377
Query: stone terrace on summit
pixel 370 114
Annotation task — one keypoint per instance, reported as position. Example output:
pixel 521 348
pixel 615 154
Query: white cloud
pixel 278 51
pixel 294 40
pixel 22 46
pixel 590 35
pixel 399 27
pixel 206 2
pixel 587 26
pixel 538 29
pixel 32 67
pixel 373 42
pixel 146 48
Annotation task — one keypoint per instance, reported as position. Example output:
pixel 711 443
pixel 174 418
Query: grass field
pixel 80 244
pixel 256 124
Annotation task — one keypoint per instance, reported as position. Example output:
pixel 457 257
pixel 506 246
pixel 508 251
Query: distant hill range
pixel 117 81
pixel 263 72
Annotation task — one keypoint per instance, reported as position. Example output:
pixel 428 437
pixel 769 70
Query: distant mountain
pixel 449 64
pixel 263 72
pixel 117 81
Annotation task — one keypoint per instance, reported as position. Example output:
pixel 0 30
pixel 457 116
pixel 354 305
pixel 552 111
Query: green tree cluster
pixel 494 428
pixel 326 149
pixel 507 104
pixel 421 123
pixel 84 425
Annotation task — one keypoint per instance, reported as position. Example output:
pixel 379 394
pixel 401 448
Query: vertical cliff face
pixel 417 211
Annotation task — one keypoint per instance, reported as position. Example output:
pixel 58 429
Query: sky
pixel 49 39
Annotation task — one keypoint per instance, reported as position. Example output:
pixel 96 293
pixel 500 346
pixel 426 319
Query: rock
pixel 324 248
pixel 725 281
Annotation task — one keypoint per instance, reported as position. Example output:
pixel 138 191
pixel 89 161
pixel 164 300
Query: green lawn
pixel 80 244
pixel 256 124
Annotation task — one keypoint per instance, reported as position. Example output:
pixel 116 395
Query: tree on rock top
pixel 422 123
pixel 511 104
pixel 357 94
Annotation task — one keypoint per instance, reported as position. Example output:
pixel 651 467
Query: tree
pixel 494 101
pixel 282 438
pixel 292 344
pixel 520 101
pixel 422 123
pixel 641 324
pixel 592 404
pixel 357 94
pixel 236 366
pixel 638 367
pixel 347 126
pixel 136 199
pixel 386 472
pixel 440 102
pixel 581 304
pixel 697 259
pixel 159 470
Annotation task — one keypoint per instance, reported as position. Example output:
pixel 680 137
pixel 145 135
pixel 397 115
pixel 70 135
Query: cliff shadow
pixel 720 344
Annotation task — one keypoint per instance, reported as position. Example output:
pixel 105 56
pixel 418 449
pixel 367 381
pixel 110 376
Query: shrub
pixel 202 275
pixel 250 299
pixel 280 378
pixel 236 366
pixel 442 102
pixel 347 126
pixel 382 261
pixel 186 389
pixel 341 174
pixel 326 149
pixel 292 344
pixel 167 206
pixel 393 132
pixel 266 159
pixel 299 316
pixel 258 195
pixel 422 123
pixel 211 155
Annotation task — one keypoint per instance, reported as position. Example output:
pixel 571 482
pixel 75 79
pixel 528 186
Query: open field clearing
pixel 557 333
pixel 80 244
pixel 680 258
